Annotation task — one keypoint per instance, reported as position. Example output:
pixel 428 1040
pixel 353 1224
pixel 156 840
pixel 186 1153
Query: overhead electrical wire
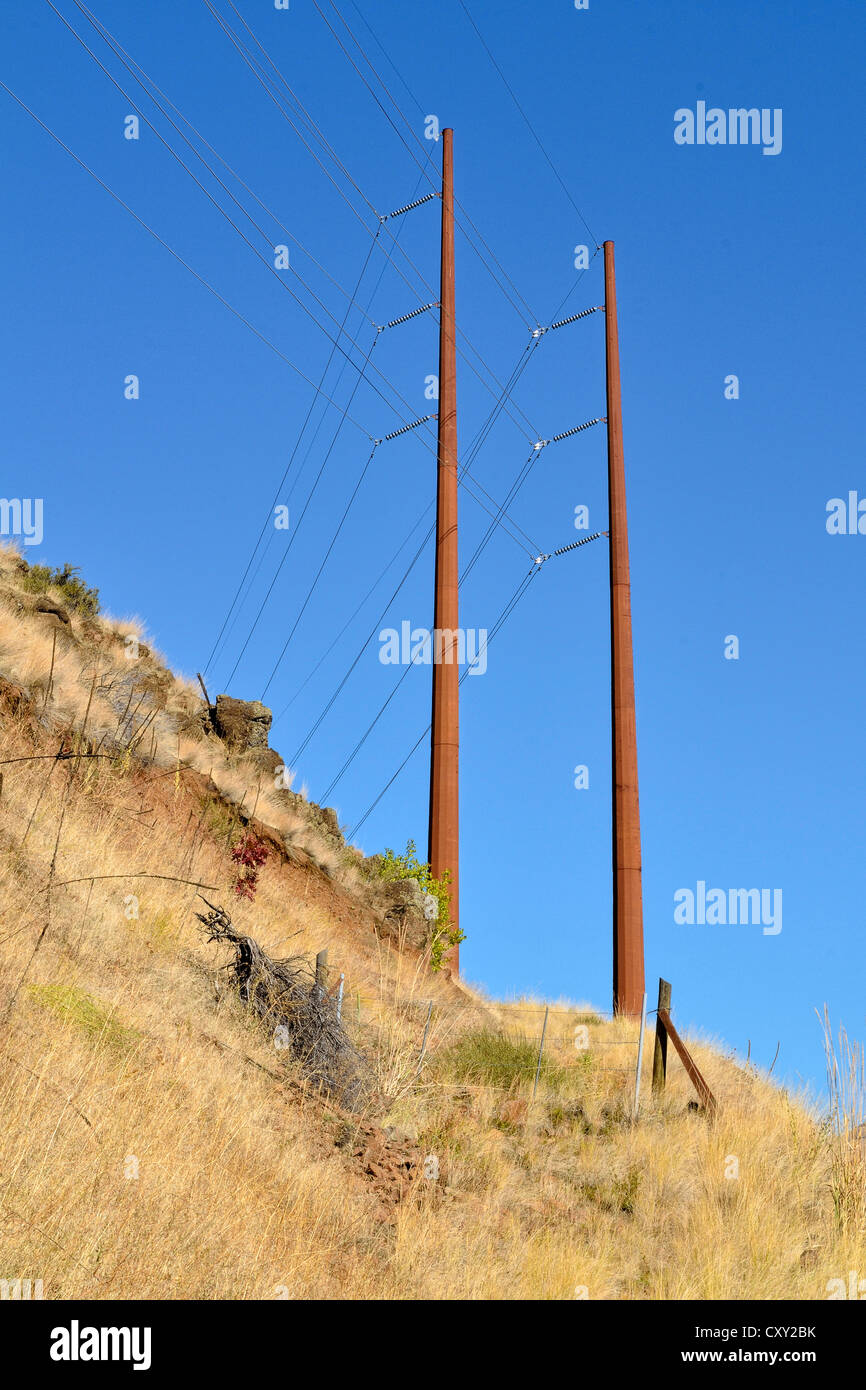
pixel 264 260
pixel 373 587
pixel 286 470
pixel 328 706
pixel 474 448
pixel 496 517
pixel 502 619
pixel 318 392
pixel 180 260
pixel 498 520
pixel 463 471
pixel 335 341
pixel 408 125
pixel 532 318
pixel 256 68
pixel 410 128
pixel 417 104
pixel 477 443
pixel 131 63
pixel 296 528
pixel 324 561
pixel 201 280
pixel 529 124
pixel 524 473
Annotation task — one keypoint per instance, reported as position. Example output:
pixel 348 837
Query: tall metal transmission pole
pixel 628 962
pixel 444 845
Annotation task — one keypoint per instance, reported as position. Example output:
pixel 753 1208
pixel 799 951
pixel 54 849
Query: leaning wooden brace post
pixel 660 1056
pixel 708 1100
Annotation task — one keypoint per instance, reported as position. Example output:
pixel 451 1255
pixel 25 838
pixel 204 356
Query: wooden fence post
pixel 321 973
pixel 660 1056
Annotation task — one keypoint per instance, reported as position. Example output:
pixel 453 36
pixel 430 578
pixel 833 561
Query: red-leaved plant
pixel 250 854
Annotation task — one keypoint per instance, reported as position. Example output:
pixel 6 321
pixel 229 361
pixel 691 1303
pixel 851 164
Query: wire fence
pixel 565 1033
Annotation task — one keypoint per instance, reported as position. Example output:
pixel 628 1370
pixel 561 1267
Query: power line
pixel 500 517
pixel 264 260
pixel 297 527
pixel 497 521
pixel 318 427
pixel 408 125
pixel 286 471
pixel 359 46
pixel 241 48
pixel 256 69
pixel 502 619
pixel 130 63
pixel 501 510
pixel 476 445
pixel 362 648
pixel 521 479
pixel 539 560
pixel 373 587
pixel 127 61
pixel 537 138
pixel 533 131
pixel 361 370
pixel 180 260
pixel 318 573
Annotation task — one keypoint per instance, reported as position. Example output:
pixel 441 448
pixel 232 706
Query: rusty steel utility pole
pixel 628 965
pixel 444 845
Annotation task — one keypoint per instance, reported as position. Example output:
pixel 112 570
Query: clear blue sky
pixel 729 262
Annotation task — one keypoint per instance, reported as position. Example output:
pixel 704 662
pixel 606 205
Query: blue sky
pixel 728 261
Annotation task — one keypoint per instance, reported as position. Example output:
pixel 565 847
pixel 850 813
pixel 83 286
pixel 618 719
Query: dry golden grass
pixel 86 676
pixel 149 1148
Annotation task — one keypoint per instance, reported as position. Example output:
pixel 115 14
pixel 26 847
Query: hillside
pixel 159 1140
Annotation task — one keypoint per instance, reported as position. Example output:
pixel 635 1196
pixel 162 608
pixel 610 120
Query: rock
pixel 402 912
pixel 270 761
pixel 326 821
pixel 15 700
pixel 242 724
pixel 52 610
pixel 401 1135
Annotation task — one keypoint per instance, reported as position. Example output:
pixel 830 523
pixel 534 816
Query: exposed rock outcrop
pixel 243 724
pixel 52 610
pixel 402 908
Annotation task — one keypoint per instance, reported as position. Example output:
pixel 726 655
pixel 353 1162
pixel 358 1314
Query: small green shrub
pixel 618 1195
pixel 400 866
pixel 162 930
pixel 72 1005
pixel 71 587
pixel 221 821
pixel 495 1059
